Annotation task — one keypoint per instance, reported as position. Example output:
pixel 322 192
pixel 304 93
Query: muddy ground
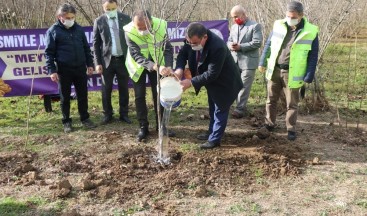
pixel 106 172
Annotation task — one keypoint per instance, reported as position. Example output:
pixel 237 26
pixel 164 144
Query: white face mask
pixel 69 23
pixel 292 22
pixel 112 13
pixel 197 48
pixel 145 32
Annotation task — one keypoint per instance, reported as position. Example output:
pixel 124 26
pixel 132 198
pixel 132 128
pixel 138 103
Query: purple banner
pixel 22 57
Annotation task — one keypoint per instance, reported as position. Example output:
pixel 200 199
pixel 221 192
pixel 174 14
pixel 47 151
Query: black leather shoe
pixel 106 120
pixel 237 115
pixel 203 136
pixel 269 127
pixel 88 124
pixel 143 133
pixel 171 133
pixel 67 127
pixel 292 135
pixel 209 145
pixel 125 119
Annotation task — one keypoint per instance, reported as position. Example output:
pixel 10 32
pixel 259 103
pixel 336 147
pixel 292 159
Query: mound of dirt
pixel 111 167
pixel 239 165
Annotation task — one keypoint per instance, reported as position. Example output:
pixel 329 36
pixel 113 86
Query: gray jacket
pixel 250 37
pixel 102 43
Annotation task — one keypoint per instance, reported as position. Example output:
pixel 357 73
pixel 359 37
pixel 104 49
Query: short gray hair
pixel 295 6
pixel 66 8
pixel 239 10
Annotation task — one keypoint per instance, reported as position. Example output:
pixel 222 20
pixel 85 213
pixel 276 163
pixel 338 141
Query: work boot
pixel 143 133
pixel 67 127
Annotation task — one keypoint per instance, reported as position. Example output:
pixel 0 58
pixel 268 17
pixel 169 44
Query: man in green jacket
pixel 149 51
pixel 289 59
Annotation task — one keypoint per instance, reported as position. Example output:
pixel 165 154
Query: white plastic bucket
pixel 171 92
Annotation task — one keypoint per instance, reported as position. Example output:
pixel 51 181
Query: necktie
pixel 197 58
pixel 117 36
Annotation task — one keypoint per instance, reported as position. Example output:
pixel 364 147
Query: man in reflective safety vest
pixel 148 48
pixel 289 60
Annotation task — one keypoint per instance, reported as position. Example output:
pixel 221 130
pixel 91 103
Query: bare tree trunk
pixel 86 16
pixel 95 13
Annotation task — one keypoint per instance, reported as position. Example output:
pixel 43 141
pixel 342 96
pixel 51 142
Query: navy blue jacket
pixel 311 58
pixel 216 70
pixel 67 47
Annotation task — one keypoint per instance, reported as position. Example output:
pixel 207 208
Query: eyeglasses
pixel 193 44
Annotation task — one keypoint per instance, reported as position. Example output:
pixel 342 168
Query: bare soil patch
pixel 106 172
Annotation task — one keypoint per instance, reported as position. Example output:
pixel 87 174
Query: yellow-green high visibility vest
pixel 298 54
pixel 150 45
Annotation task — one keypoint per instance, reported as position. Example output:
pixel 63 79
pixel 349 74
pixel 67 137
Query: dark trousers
pixel 117 67
pixel 78 77
pixel 218 121
pixel 47 103
pixel 140 97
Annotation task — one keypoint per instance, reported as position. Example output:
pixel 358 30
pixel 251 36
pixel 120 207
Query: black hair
pixel 196 29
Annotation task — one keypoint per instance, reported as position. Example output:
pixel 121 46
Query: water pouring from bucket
pixel 170 97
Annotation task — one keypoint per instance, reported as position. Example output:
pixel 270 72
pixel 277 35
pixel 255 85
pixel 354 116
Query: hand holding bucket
pixel 165 71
